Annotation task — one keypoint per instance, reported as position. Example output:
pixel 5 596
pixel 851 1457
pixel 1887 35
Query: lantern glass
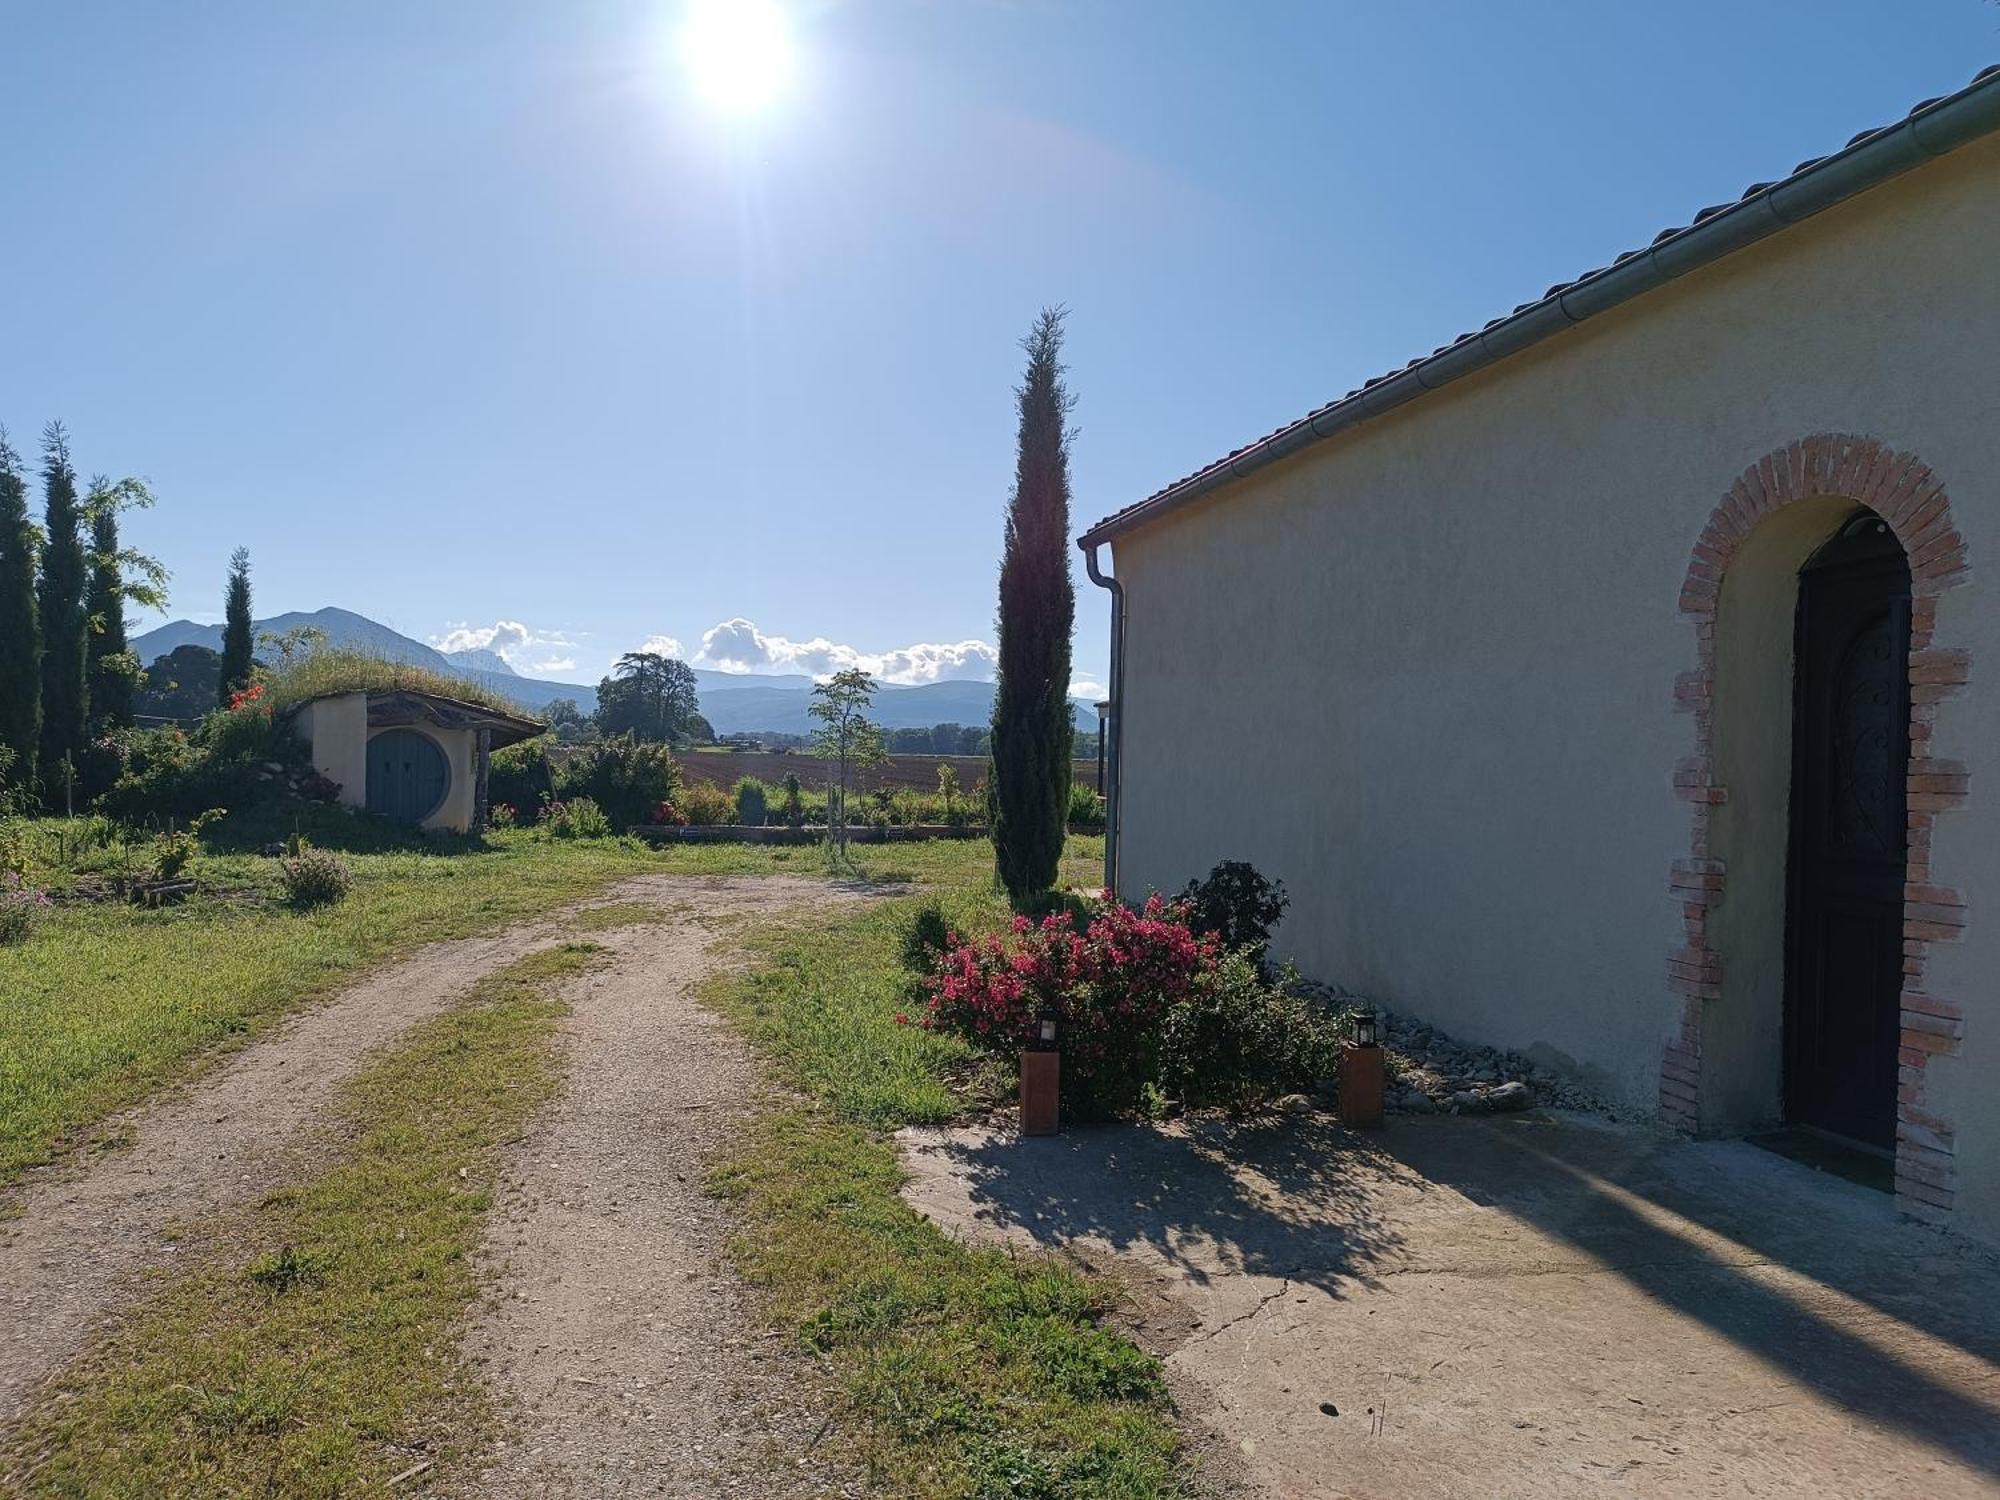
pixel 1364 1028
pixel 1048 1029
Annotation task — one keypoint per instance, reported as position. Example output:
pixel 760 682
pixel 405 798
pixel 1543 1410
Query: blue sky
pixel 471 315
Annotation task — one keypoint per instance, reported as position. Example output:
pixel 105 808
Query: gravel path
pixel 623 1358
pixel 79 1240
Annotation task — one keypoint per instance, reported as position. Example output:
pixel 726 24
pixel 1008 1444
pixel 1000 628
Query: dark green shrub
pixel 175 850
pixel 752 802
pixel 925 938
pixel 577 818
pixel 1238 1040
pixel 167 774
pixel 626 777
pixel 795 806
pixel 707 804
pixel 1238 905
pixel 520 774
pixel 1086 808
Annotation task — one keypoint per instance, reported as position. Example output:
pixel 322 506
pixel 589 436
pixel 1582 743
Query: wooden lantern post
pixel 1041 1085
pixel 1361 1075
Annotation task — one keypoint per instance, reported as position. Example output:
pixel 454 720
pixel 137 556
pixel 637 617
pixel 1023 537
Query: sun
pixel 738 53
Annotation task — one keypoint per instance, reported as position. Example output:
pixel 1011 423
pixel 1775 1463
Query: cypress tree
pixel 1028 780
pixel 236 627
pixel 65 628
pixel 20 625
pixel 108 676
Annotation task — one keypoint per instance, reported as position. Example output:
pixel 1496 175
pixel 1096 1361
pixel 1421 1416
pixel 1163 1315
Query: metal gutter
pixel 1930 130
pixel 1111 761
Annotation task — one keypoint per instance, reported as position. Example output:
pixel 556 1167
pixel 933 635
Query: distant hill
pixel 479 659
pixel 345 628
pixel 733 702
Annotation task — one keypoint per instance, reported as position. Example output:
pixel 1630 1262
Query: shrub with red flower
pixel 1107 987
pixel 249 697
pixel 666 815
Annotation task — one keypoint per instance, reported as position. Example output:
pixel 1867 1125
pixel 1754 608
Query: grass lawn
pixel 976 1373
pixel 106 1002
pixel 307 1347
pixel 311 1349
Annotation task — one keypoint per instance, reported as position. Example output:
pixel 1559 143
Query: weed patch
pixel 310 1350
pixel 975 1373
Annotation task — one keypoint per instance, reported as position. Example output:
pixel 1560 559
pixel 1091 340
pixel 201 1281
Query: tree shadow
pixel 1716 1233
pixel 335 828
pixel 1207 1197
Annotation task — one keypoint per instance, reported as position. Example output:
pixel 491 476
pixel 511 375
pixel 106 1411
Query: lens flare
pixel 737 53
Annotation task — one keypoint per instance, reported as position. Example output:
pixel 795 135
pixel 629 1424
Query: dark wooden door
pixel 1851 707
pixel 406 775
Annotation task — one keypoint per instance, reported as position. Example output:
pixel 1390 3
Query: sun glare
pixel 738 53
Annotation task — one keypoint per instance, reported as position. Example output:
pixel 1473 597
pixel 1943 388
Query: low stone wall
pixel 736 833
pixel 814 833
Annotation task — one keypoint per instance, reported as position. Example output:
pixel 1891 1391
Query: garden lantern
pixel 1361 1073
pixel 1041 1083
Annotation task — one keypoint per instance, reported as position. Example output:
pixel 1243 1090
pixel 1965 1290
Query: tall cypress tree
pixel 1028 781
pixel 65 628
pixel 109 675
pixel 236 660
pixel 118 576
pixel 20 624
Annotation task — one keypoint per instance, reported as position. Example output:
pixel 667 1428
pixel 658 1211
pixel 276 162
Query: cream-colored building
pixel 1496 663
pixel 414 757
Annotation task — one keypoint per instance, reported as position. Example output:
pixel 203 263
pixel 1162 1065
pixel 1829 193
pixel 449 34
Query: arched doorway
pixel 1735 1057
pixel 407 775
pixel 1847 849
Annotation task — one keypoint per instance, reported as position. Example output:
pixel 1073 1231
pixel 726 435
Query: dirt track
pixel 613 1337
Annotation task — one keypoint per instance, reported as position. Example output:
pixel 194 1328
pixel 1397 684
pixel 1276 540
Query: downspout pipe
pixel 1113 760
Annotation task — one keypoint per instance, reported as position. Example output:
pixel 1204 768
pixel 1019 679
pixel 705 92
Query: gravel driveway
pixel 618 1344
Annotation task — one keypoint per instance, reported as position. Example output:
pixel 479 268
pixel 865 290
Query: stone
pixel 1419 1104
pixel 1297 1104
pixel 1467 1102
pixel 1510 1096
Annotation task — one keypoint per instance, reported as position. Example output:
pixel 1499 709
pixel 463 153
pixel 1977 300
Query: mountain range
pixel 733 702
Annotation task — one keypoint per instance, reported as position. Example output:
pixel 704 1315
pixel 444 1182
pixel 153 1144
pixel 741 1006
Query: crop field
pixel 917 773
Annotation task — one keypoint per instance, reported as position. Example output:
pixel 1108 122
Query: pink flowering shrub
pixel 1108 986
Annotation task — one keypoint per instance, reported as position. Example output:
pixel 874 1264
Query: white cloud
pixel 660 645
pixel 1087 688
pixel 523 648
pixel 739 646
pixel 501 636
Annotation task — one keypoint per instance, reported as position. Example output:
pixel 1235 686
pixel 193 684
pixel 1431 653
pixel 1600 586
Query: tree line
pixel 66 672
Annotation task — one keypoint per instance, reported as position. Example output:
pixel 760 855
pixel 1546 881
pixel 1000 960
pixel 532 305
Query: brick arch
pixel 1906 493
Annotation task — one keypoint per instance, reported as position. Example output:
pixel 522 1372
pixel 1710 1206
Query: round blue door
pixel 407 775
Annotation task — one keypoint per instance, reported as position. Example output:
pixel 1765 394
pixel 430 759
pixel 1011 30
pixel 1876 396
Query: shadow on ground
pixel 1565 1303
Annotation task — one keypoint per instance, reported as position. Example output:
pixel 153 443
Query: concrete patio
pixel 1518 1306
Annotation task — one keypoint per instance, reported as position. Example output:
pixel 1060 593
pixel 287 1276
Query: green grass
pixel 311 1349
pixel 106 1003
pixel 307 1347
pixel 974 1373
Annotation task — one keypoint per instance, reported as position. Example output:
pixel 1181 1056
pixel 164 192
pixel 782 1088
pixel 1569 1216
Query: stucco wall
pixel 337 730
pixel 459 747
pixel 1425 672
